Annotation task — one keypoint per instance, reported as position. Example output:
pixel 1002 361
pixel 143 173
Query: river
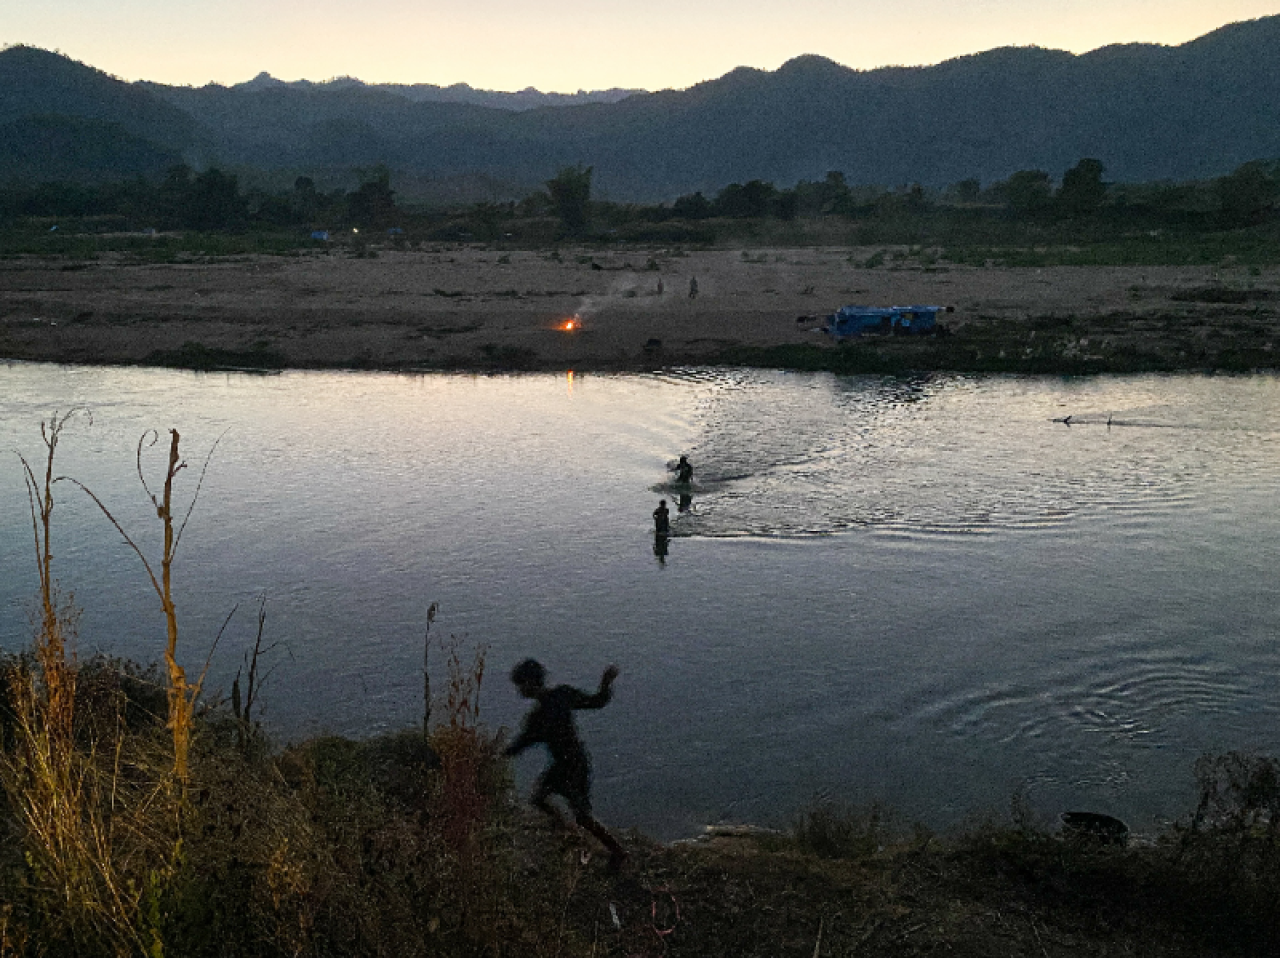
pixel 924 592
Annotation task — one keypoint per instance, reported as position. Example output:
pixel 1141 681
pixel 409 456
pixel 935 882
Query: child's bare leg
pixel 617 854
pixel 539 801
pixel 557 820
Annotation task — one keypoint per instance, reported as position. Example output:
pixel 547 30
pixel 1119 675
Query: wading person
pixel 661 519
pixel 550 722
pixel 684 471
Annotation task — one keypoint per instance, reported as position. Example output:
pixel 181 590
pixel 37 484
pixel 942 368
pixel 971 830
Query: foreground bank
pixel 410 845
pixel 469 307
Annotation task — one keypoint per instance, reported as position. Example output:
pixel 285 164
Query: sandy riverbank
pixel 469 307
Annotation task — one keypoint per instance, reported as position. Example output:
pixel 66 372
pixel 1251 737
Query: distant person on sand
pixel 684 471
pixel 693 287
pixel 661 518
pixel 550 723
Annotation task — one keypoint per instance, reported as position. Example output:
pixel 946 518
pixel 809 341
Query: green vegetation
pixel 1050 345
pixel 570 194
pixel 145 817
pixel 1025 220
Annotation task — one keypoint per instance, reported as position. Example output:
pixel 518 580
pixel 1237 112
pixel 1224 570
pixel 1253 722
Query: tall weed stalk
pixel 463 751
pixel 55 661
pixel 183 693
pixel 76 814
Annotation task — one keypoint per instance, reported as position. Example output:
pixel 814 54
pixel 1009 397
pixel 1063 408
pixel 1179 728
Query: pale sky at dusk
pixel 567 45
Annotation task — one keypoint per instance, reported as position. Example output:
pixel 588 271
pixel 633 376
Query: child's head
pixel 529 677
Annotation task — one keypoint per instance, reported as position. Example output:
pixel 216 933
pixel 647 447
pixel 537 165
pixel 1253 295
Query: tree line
pixel 213 200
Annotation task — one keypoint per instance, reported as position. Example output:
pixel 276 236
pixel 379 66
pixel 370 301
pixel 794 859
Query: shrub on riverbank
pixel 341 847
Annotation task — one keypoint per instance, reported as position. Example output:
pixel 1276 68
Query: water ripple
pixel 910 458
pixel 1134 701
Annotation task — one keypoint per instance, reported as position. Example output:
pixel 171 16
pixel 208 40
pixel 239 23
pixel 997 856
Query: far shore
pixel 479 308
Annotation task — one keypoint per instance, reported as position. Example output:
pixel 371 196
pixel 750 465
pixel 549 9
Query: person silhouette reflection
pixel 685 503
pixel 661 542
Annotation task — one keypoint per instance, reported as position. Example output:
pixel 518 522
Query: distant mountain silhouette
pixel 1146 111
pixel 53 148
pixel 527 99
pixel 36 82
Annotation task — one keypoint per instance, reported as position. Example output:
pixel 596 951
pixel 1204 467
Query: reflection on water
pixel 927 591
pixel 661 546
pixel 801 455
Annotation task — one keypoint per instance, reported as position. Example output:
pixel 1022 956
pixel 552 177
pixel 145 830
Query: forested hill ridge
pixel 529 98
pixel 1147 112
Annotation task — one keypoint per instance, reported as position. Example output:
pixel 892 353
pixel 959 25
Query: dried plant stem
pixel 182 693
pixel 426 671
pixel 64 798
pixel 242 708
pixel 56 665
pixel 181 699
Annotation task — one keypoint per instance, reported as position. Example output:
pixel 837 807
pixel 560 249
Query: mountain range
pixel 1147 111
pixel 529 98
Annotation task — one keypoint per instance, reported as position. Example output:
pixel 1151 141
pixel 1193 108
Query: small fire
pixel 570 325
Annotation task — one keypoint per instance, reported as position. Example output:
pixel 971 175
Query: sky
pixel 569 45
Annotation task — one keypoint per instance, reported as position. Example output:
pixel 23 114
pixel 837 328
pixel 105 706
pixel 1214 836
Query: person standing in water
pixel 684 471
pixel 662 519
pixel 550 723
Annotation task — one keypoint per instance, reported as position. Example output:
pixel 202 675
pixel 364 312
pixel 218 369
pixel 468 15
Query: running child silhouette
pixel 550 722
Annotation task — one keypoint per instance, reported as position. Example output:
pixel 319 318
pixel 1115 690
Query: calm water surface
pixel 925 592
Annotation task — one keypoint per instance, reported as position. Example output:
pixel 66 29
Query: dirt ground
pixel 464 307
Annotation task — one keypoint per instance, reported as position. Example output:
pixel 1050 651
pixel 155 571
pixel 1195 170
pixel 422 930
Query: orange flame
pixel 570 325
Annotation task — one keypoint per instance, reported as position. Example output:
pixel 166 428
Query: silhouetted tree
pixel 537 203
pixel 304 202
pixel 1027 191
pixel 693 206
pixel 829 196
pixel 786 205
pixel 171 195
pixel 1247 194
pixel 570 192
pixel 1082 189
pixel 214 202
pixel 373 204
pixel 967 191
pixel 486 219
pixel 208 201
pixel 745 200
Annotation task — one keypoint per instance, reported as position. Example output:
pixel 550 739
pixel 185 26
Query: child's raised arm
pixel 606 680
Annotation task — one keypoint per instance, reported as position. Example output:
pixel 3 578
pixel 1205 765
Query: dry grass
pixel 85 795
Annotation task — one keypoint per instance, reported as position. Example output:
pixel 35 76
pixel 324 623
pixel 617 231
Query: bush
pixel 832 830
